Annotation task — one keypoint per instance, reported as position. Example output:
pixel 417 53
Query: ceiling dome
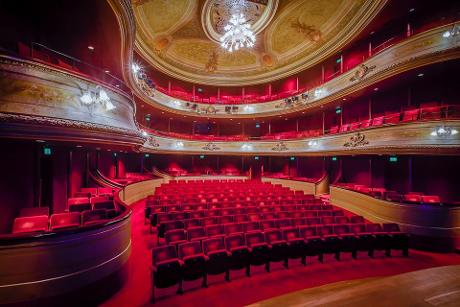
pixel 292 35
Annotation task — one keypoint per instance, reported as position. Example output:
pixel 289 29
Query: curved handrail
pixel 100 178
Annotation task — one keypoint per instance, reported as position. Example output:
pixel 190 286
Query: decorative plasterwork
pixel 297 35
pixel 35 95
pixel 422 49
pixel 413 138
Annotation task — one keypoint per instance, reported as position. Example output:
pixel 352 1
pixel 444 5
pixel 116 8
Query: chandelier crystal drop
pixel 237 34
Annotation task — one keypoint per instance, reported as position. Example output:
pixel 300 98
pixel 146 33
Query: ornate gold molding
pixel 407 138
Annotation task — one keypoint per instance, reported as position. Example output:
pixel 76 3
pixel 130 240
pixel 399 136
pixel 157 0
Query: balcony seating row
pixel 393 196
pixel 61 221
pixel 427 111
pixel 80 204
pixel 183 260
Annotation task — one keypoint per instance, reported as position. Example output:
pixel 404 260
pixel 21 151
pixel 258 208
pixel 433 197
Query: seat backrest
pixel 93 191
pixel 268 224
pixel 162 253
pixel 233 228
pixel 192 223
pixel 61 220
pixel 324 230
pixel 93 215
pixel 254 238
pixel 34 211
pixel 412 198
pixel 307 231
pixel 341 220
pixel 196 232
pixel 391 227
pixel 214 230
pixel 171 225
pixel 30 224
pixel 341 229
pixel 240 218
pixel 213 244
pixel 189 249
pixel 109 204
pixel 327 220
pixel 374 227
pixel 358 228
pixel 234 240
pixel 105 191
pixel 431 199
pixel 290 233
pixel 273 235
pixel 175 235
pixel 78 201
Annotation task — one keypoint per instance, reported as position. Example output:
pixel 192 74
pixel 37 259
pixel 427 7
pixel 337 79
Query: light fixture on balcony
pixel 444 131
pixel 135 67
pixel 455 31
pixel 179 144
pixel 246 147
pixel 98 97
pixel 248 108
pixel 312 143
pixel 144 133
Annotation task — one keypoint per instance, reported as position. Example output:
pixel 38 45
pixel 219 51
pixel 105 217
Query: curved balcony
pixel 409 137
pixel 42 101
pixel 54 262
pixel 425 48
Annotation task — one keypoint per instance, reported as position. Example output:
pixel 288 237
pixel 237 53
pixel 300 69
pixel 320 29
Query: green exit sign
pixel 334 158
pixel 147 155
pixel 47 151
pixel 338 110
pixel 394 159
pixel 256 158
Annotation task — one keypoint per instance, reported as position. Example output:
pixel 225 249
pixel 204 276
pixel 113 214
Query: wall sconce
pixel 179 144
pixel 312 143
pixel 100 97
pixel 246 147
pixel 443 131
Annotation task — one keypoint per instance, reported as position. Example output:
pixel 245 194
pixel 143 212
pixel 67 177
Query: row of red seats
pixel 393 196
pixel 80 204
pixel 185 261
pixel 61 221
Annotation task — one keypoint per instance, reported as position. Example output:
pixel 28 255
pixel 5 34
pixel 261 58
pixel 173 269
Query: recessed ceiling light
pixel 303 112
pixel 420 75
pixel 90 47
pixel 194 121
pixel 107 71
pixel 279 116
pixel 79 146
pixel 40 141
pixel 411 10
pixel 184 116
pixel 286 118
pixel 239 123
pixel 118 85
pixel 162 112
pixel 372 32
pixel 344 99
pixel 376 89
pixel 231 118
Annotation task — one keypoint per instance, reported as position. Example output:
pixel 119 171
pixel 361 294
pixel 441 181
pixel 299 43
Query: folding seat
pixel 410 115
pixel 251 226
pixel 105 192
pixel 254 217
pixel 233 228
pixel 170 225
pixel 311 213
pixel 322 213
pixel 175 237
pixel 34 211
pixel 196 214
pixel 431 199
pixel 228 211
pixel 64 221
pixel 226 219
pixel 357 219
pixel 327 220
pixel 278 246
pixel 331 241
pixel 299 221
pixel 194 262
pixel 344 128
pixel 217 257
pixel 381 239
pixel 355 126
pixel 92 217
pixel 166 269
pixel 259 249
pixel 365 240
pixel 239 218
pixel 209 221
pixel 398 240
pixel 81 195
pixel 347 239
pixel 151 210
pixel 431 113
pixel 392 118
pixel 282 215
pixel 313 243
pixel 35 224
pixel 341 220
pixel 268 224
pixel 284 223
pixel 196 234
pixel 268 216
pixel 213 212
pixel 393 196
pixel 215 230
pixel 365 123
pixel 327 207
pixel 296 245
pixel 180 216
pixel 338 212
pixel 239 253
pixel 92 191
pixel 78 204
pixel 297 214
pixel 173 208
pixel 412 198
pixel 334 129
pixel 377 121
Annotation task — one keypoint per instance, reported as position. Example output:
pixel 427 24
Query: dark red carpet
pixel 242 290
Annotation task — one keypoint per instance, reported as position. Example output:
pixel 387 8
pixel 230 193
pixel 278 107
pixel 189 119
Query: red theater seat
pixel 194 262
pixel 331 241
pixel 377 121
pixel 397 240
pixel 196 234
pixel 61 221
pixel 217 257
pixel 313 242
pixel 239 253
pixel 278 246
pixel 92 217
pixel 412 198
pixel 32 224
pixel 260 251
pixel 431 199
pixel 92 191
pixel 175 237
pixel 78 204
pixel 166 269
pixel 410 115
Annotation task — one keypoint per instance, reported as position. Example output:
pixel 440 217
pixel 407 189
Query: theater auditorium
pixel 229 153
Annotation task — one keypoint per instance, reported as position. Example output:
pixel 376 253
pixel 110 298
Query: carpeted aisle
pixel 260 286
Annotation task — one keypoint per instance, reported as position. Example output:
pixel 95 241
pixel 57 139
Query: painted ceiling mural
pixel 181 37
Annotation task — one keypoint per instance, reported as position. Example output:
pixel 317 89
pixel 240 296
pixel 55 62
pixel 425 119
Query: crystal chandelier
pixel 237 34
pixel 100 97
